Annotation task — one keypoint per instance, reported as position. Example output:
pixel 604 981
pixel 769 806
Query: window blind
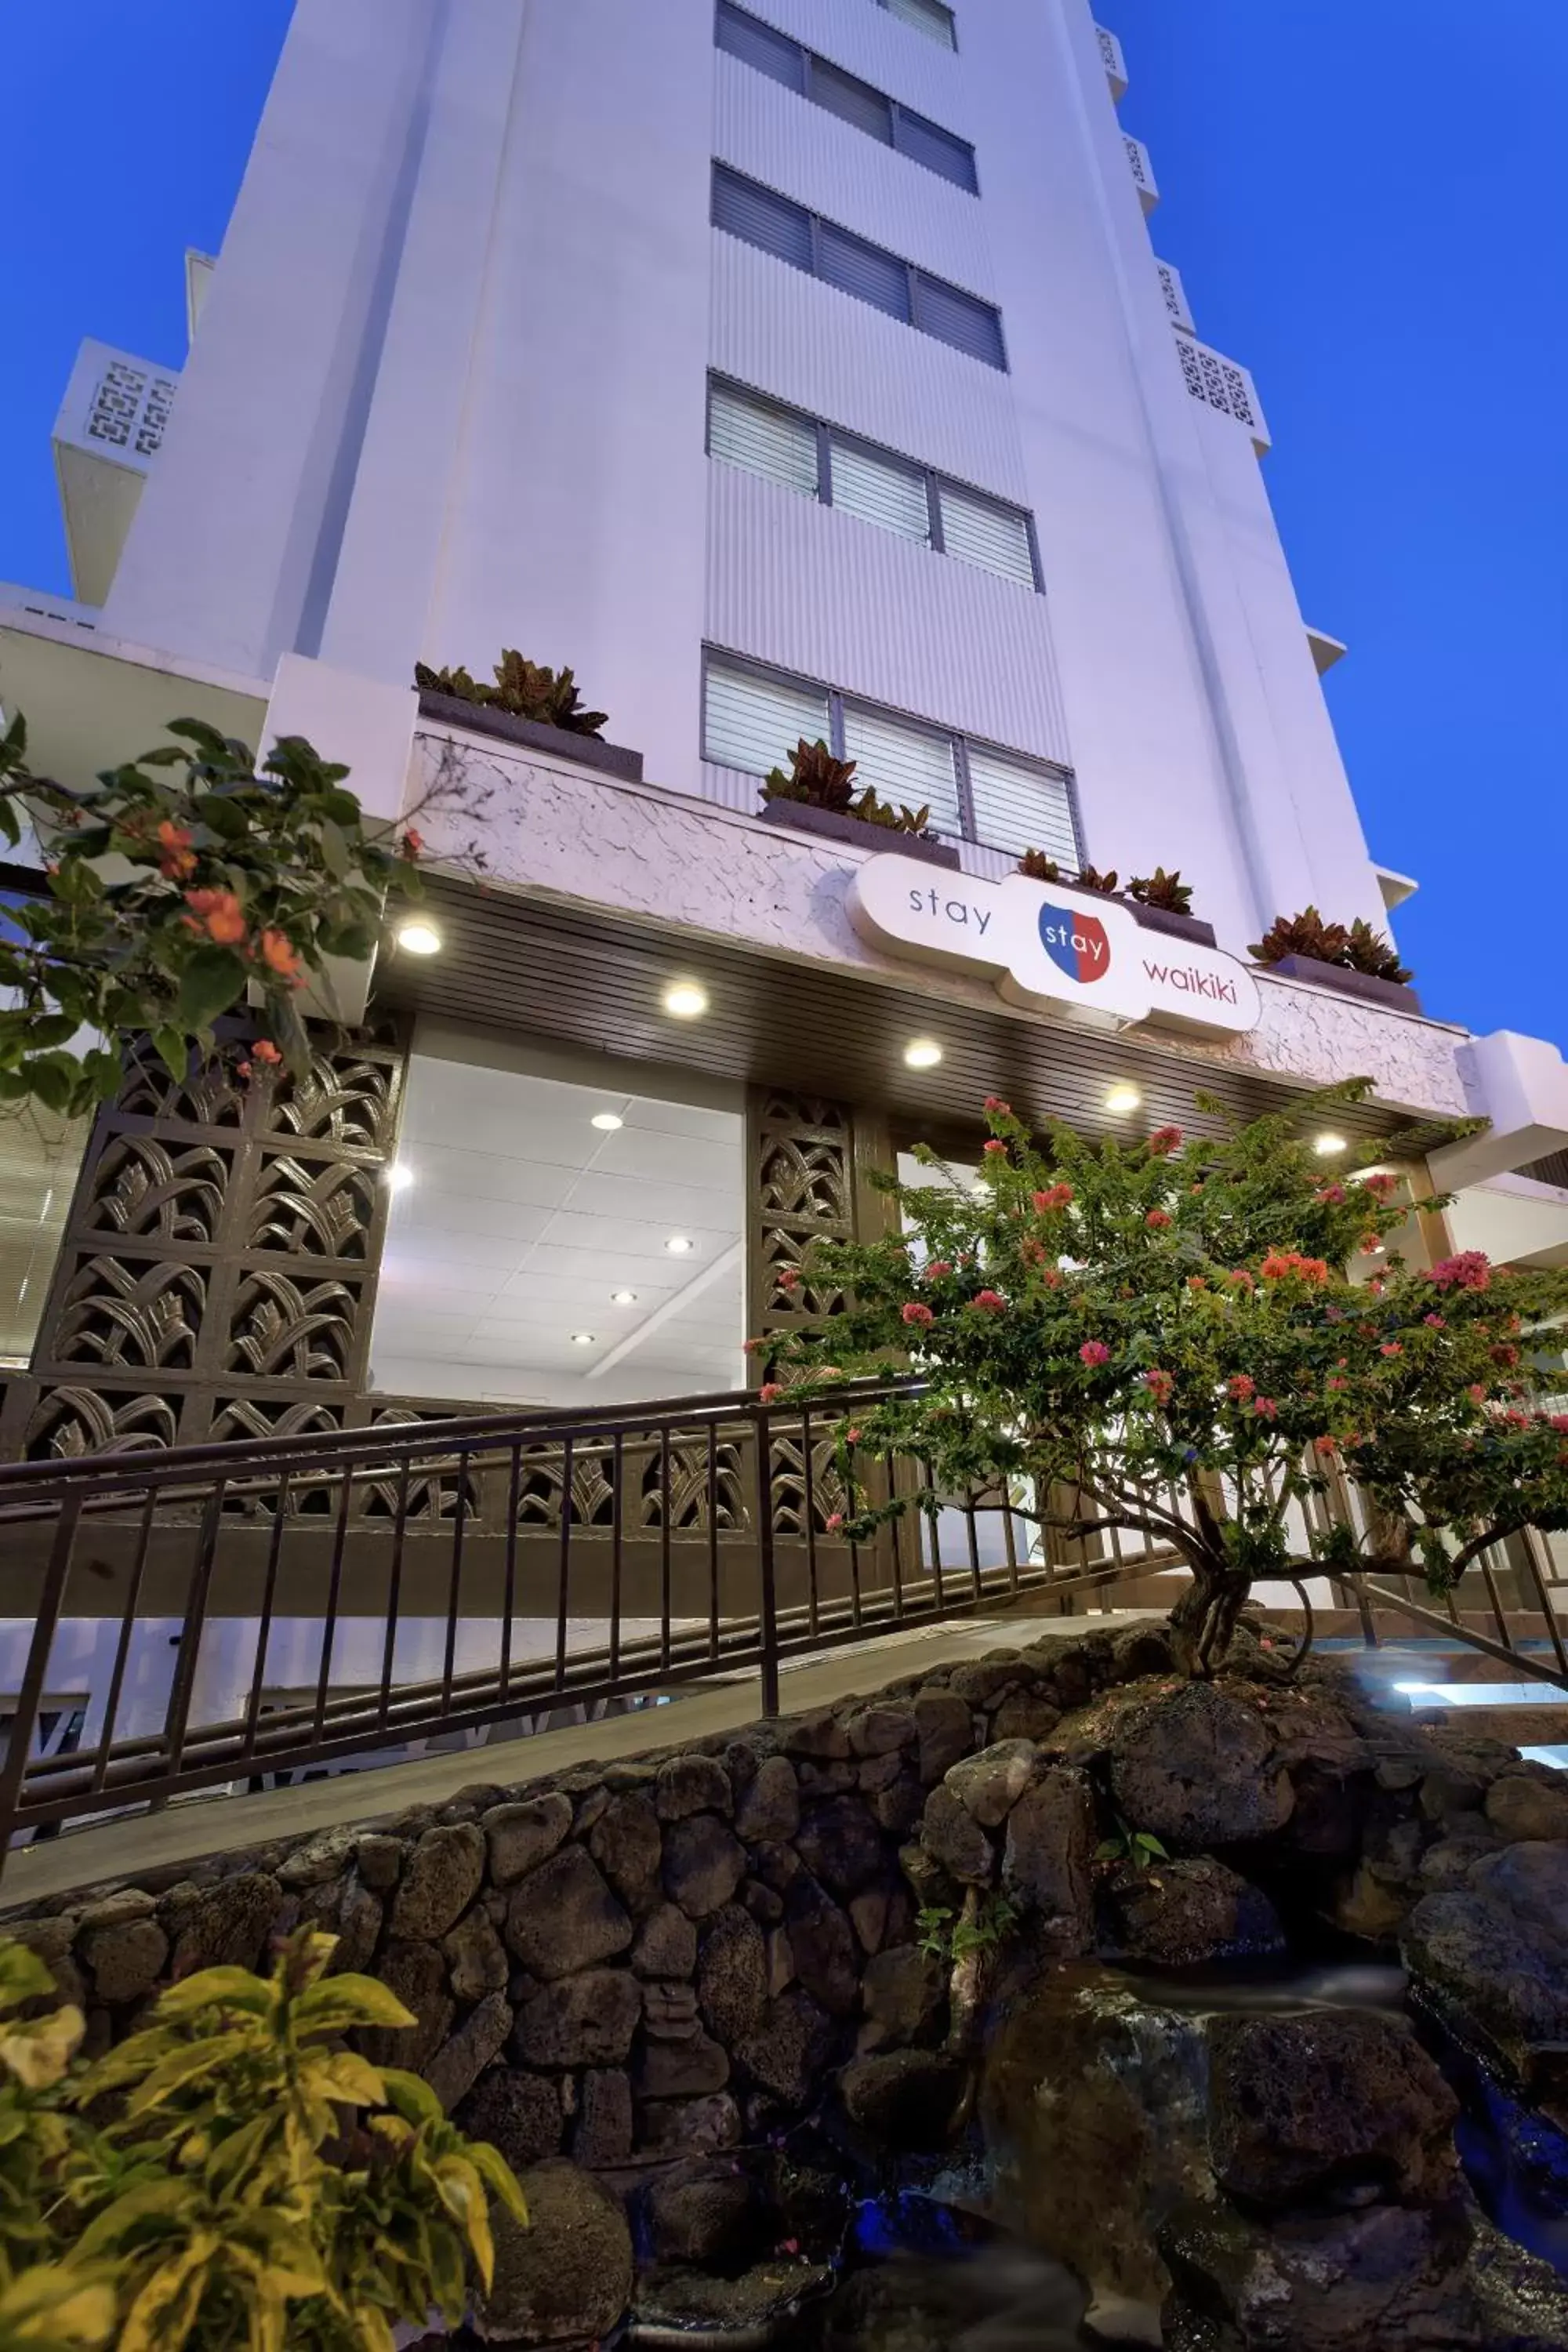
pixel 882 492
pixel 852 101
pixel 753 723
pixel 1017 807
pixel 761 218
pixel 926 143
pixel 928 16
pixel 977 532
pixel 756 43
pixel 763 439
pixel 864 270
pixel 953 317
pixel 905 764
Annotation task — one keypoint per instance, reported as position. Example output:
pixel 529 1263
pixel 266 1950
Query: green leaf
pixel 211 981
pixel 334 850
pixel 225 818
pixel 173 1050
pixel 51 1077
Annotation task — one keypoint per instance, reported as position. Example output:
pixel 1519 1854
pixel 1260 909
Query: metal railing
pixel 219 1615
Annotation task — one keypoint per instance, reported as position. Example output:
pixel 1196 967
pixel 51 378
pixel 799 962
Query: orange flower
pixel 178 859
pixel 280 956
pixel 221 913
pixel 412 842
pixel 266 1051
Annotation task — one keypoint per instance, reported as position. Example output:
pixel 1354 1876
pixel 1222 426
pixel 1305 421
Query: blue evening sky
pixel 1363 198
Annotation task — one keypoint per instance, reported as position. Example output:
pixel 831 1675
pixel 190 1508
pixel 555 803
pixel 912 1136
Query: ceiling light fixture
pixel 1122 1099
pixel 1327 1144
pixel 582 1338
pixel 679 1245
pixel 923 1053
pixel 607 1122
pixel 419 937
pixel 623 1298
pixel 398 1175
pixel 686 1000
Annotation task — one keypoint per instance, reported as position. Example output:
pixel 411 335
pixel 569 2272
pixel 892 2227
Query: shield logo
pixel 1076 943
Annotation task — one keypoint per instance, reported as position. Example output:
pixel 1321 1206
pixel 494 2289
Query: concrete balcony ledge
pixel 671 859
pixel 1223 384
pixel 1115 63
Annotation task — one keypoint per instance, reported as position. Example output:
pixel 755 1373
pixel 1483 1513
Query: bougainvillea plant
pixel 177 887
pixel 1164 1338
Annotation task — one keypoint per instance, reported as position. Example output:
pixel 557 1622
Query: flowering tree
pixel 178 886
pixel 1165 1336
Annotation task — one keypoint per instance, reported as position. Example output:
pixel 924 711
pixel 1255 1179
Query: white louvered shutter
pixel 763 439
pixel 1017 807
pixel 977 532
pixel 753 723
pixel 907 765
pixel 878 491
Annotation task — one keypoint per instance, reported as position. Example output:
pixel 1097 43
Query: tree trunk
pixel 1204 1618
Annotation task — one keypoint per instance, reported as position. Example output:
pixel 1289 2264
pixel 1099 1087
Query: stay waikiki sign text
pixel 1062 950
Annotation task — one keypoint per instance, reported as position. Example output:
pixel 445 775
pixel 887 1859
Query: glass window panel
pixel 928 16
pixel 969 324
pixel 773 442
pixel 761 218
pixel 865 271
pixel 852 101
pixel 758 45
pixel 753 723
pixel 909 765
pixel 926 143
pixel 878 491
pixel 975 531
pixel 1019 807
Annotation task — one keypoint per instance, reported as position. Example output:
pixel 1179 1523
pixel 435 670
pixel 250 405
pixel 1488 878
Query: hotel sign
pixel 1061 951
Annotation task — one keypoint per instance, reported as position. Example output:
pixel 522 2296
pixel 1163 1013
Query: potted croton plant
pixel 1161 901
pixel 1354 958
pixel 817 795
pixel 528 703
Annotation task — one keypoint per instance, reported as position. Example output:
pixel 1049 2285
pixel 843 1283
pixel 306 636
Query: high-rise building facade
pixel 800 370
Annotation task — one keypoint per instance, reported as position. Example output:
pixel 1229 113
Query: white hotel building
pixel 808 367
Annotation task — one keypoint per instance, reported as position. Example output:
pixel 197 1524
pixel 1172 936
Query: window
pixel 854 101
pixel 874 485
pixel 928 16
pixel 753 717
pixel 792 234
pixel 773 442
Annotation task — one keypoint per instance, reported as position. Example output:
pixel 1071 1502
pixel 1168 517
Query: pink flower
pixel 1094 1352
pixel 996 1109
pixel 1391 1348
pixel 1057 1197
pixel 1382 1187
pixel 1333 1195
pixel 1157 1220
pixel 996 1144
pixel 771 1392
pixel 1196 1282
pixel 851 1437
pixel 937 1268
pixel 1241 1386
pixel 1266 1408
pixel 1160 1385
pixel 1336 1381
pixel 1559 1422
pixel 1505 1356
pixel 789 1278
pixel 1164 1139
pixel 266 1051
pixel 991 1301
pixel 1241 1278
pixel 1471 1270
pixel 834 1521
pixel 1434 1322
pixel 913 1312
pixel 1325 1445
pixel 1476 1391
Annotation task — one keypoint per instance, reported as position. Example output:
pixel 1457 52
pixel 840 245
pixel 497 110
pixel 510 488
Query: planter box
pixel 1392 992
pixel 1180 927
pixel 585 750
pixel 799 817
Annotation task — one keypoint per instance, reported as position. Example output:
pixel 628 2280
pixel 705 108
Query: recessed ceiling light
pixel 1327 1144
pixel 686 999
pixel 923 1053
pixel 623 1298
pixel 679 1245
pixel 419 937
pixel 607 1122
pixel 1122 1099
pixel 398 1174
pixel 582 1338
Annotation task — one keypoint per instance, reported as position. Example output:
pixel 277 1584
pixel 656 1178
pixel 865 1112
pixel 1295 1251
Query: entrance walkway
pixel 200 1826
